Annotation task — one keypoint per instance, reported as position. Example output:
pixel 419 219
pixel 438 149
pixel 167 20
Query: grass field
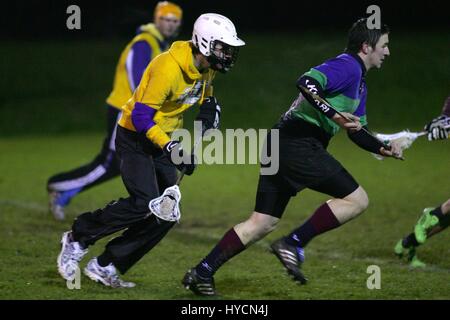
pixel 214 199
pixel 51 100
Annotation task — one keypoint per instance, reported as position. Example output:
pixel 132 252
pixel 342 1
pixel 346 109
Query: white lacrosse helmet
pixel 215 37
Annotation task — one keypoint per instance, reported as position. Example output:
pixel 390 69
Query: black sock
pixel 445 221
pixel 410 241
pixel 229 246
pixel 438 213
pixel 104 259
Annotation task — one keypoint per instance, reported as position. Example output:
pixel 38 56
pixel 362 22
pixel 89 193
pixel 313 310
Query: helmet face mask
pixel 222 56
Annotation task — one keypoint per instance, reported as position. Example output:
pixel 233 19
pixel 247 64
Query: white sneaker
pixel 106 275
pixel 69 257
pixel 55 208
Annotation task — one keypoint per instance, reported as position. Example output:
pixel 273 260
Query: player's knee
pixel 256 227
pixel 363 202
pixel 359 199
pixel 264 223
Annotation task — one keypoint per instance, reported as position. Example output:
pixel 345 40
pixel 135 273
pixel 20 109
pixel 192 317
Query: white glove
pixel 438 128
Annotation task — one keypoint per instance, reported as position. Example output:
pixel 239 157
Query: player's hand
pixel 348 121
pixel 394 150
pixel 209 114
pixel 436 128
pixel 180 159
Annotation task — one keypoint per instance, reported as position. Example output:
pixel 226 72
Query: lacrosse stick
pixel 404 138
pixel 167 206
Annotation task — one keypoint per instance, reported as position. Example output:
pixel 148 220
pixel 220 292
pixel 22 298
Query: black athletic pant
pixel 146 172
pixel 104 166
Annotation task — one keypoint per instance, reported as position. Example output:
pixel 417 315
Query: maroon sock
pixel 322 220
pixel 229 246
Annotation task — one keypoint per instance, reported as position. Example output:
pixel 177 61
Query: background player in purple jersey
pixel 305 131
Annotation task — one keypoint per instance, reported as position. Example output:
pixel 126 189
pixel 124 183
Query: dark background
pixel 46 19
pixel 55 81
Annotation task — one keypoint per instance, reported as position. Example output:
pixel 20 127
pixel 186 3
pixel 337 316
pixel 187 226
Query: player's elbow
pixel 142 117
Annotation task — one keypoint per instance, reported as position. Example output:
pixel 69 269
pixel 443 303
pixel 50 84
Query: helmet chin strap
pixel 216 68
pixel 214 61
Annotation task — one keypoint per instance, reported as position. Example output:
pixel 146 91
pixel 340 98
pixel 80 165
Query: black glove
pixel 436 128
pixel 209 114
pixel 180 159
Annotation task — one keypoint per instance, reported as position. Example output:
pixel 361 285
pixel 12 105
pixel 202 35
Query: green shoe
pixel 416 263
pixel 399 250
pixel 425 222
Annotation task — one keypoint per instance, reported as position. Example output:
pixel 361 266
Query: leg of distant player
pixel 430 223
pixel 429 219
pixel 63 187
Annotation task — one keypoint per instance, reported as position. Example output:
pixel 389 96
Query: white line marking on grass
pixel 33 206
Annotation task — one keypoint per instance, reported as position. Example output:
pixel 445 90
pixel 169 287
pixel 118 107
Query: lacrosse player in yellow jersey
pixel 150 41
pixel 173 82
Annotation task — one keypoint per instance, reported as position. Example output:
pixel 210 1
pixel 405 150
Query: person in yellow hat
pixel 172 83
pixel 151 40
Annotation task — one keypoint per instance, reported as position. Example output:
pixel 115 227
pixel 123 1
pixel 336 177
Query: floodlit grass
pixel 52 97
pixel 214 199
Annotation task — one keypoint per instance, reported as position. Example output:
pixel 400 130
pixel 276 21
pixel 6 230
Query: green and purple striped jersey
pixel 344 87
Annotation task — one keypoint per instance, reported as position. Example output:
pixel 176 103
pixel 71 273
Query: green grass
pixel 214 199
pixel 51 99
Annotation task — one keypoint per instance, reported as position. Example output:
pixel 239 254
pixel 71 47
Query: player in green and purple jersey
pixel 304 133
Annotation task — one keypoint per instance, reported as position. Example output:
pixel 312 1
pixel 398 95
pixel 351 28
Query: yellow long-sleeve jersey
pixel 169 86
pixel 122 88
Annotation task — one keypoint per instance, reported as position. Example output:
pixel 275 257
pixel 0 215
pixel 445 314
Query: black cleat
pixel 289 257
pixel 199 285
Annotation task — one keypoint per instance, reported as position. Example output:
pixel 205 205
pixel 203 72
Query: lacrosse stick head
pixel 167 206
pixel 403 138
